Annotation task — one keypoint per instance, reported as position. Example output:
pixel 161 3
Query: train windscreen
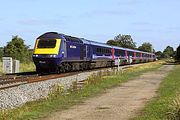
pixel 46 43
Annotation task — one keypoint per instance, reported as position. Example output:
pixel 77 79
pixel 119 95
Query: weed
pixel 174 109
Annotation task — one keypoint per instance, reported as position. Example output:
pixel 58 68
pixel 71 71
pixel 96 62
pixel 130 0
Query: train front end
pixel 47 53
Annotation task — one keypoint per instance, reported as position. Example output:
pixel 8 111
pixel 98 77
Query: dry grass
pixel 174 109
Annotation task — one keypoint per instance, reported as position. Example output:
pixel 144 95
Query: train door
pixel 81 52
pixel 63 48
pixel 64 52
pixel 86 52
pixel 113 53
pixel 134 55
pixel 126 55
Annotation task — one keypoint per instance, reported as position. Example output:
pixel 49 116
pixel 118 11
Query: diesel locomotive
pixel 55 52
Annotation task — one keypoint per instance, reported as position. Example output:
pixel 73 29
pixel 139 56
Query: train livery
pixel 54 52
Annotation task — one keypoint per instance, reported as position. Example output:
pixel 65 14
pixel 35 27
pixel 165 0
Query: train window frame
pixel 39 45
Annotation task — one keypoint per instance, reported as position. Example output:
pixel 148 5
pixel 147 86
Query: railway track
pixel 12 80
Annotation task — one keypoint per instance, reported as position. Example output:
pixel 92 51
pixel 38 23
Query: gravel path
pixel 120 103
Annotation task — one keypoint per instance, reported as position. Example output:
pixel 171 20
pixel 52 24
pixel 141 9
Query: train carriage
pixel 54 52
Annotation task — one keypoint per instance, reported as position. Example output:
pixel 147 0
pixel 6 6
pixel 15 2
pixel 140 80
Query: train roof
pixel 95 43
pixel 50 35
pixel 82 40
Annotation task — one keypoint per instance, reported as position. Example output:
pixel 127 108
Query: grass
pixel 24 67
pixel 27 67
pixel 1 68
pixel 95 85
pixel 160 107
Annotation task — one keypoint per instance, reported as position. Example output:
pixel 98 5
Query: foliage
pixel 112 42
pixel 168 52
pixel 146 46
pixel 159 54
pixel 178 53
pixel 17 50
pixel 125 41
pixel 95 85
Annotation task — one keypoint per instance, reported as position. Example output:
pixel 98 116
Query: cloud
pixel 35 22
pixel 174 28
pixel 142 23
pixel 145 30
pixel 129 2
pixel 1 19
pixel 107 13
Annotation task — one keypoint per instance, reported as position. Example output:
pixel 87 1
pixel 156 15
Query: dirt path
pixel 120 103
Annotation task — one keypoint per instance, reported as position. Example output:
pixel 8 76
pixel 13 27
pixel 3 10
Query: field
pixel 95 85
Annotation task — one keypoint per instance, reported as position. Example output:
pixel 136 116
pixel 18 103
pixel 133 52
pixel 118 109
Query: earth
pixel 120 103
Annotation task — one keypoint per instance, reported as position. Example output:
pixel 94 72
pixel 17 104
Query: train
pixel 56 52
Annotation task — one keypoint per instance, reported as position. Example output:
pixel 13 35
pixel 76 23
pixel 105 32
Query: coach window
pixel 122 52
pixel 97 50
pixel 131 53
pixel 137 54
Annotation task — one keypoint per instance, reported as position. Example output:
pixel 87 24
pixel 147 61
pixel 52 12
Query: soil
pixel 121 103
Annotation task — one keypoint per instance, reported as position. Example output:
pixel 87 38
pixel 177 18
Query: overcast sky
pixel 154 21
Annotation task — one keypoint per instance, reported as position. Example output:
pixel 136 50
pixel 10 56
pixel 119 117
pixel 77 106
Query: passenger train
pixel 55 52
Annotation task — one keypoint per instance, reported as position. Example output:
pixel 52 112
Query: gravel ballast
pixel 17 96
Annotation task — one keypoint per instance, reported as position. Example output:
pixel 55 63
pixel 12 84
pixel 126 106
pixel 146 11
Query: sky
pixel 154 21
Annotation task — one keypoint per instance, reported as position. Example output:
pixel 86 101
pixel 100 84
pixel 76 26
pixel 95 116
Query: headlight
pixel 52 56
pixel 35 55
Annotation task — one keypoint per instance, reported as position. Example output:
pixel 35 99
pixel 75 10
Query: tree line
pixel 17 49
pixel 126 41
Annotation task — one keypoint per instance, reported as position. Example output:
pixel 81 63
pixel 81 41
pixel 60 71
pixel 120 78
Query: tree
pixel 17 50
pixel 147 47
pixel 159 54
pixel 125 41
pixel 168 52
pixel 178 53
pixel 112 42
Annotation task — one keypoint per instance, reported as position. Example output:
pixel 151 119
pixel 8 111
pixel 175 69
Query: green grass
pixel 95 85
pixel 1 68
pixel 27 67
pixel 157 108
pixel 24 67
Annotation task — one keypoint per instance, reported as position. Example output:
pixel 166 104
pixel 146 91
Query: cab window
pixel 46 43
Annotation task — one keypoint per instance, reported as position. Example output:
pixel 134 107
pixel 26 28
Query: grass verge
pixel 1 69
pixel 24 67
pixel 27 67
pixel 94 86
pixel 159 107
